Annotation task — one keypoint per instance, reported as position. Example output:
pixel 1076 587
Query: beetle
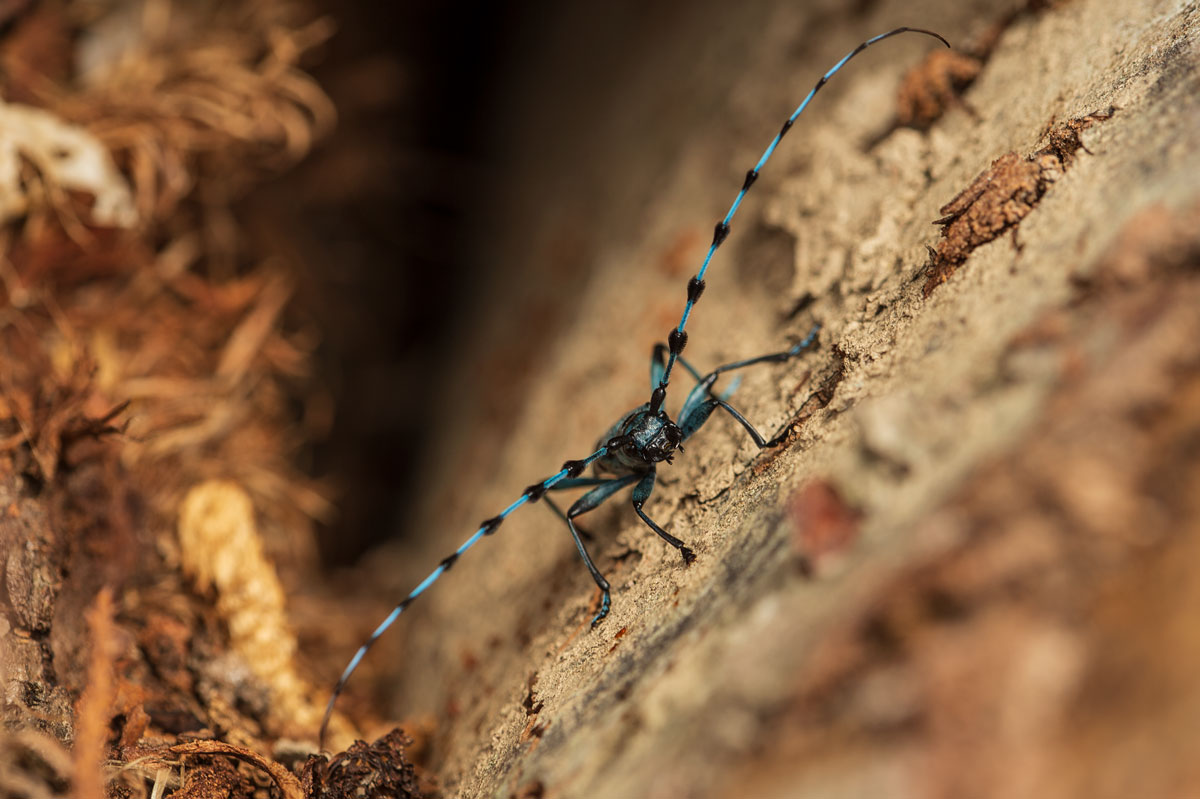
pixel 630 452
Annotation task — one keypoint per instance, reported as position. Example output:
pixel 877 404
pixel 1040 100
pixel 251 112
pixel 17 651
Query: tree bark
pixel 927 590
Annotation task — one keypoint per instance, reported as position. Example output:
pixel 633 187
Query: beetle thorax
pixel 652 437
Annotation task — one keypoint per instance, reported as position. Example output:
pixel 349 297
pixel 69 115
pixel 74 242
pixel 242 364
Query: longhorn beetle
pixel 629 453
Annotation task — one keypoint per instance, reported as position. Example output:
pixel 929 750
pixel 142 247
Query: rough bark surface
pixel 927 591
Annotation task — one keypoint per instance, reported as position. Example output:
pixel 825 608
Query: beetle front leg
pixel 641 493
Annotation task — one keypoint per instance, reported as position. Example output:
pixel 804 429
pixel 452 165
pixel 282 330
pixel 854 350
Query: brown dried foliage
pixel 1003 195
pixel 227 100
pixel 934 86
pixel 937 84
pixel 136 363
pixel 364 771
pixel 208 788
pixel 95 707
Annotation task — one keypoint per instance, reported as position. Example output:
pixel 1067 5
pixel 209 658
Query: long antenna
pixel 677 339
pixel 533 493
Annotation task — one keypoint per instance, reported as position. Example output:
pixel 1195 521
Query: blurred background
pixel 483 154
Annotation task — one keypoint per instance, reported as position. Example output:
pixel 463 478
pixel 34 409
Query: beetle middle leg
pixel 604 488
